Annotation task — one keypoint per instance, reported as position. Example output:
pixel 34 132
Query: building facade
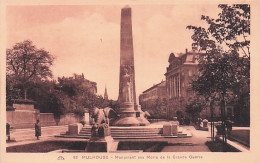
pixel 154 100
pixel 180 72
pixel 176 92
pixel 153 93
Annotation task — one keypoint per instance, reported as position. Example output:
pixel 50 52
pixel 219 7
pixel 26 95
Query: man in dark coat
pixel 37 129
pixel 8 131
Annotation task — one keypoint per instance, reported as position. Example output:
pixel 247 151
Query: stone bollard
pixel 174 128
pixel 170 129
pixel 167 130
pixel 75 128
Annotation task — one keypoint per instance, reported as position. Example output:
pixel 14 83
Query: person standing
pixel 37 129
pixel 8 131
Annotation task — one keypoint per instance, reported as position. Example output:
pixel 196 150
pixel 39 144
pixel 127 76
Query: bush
pixel 80 112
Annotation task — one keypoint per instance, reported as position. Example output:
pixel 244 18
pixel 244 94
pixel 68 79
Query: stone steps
pixel 130 132
pixel 126 133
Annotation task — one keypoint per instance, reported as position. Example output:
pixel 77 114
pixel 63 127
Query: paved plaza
pixel 26 136
pixel 194 144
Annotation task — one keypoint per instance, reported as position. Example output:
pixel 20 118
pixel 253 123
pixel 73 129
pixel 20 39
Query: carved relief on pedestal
pixel 126 84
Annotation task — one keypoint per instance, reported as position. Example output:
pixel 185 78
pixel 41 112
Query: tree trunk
pixel 212 121
pixel 223 117
pixel 25 94
pixel 213 130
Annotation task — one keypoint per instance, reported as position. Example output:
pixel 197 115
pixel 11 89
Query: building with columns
pixel 180 72
pixel 177 89
pixel 182 68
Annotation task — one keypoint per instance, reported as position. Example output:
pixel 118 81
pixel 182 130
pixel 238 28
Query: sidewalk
pixel 27 136
pixel 198 140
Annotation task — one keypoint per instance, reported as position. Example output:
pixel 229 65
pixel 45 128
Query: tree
pixel 48 99
pixel 114 105
pixel 156 107
pixel 224 68
pixel 80 91
pixel 194 106
pixel 25 64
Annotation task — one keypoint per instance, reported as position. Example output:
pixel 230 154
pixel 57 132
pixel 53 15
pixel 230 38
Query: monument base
pixel 140 116
pixel 106 144
pixel 127 115
pixel 143 121
pixel 22 114
pixel 127 121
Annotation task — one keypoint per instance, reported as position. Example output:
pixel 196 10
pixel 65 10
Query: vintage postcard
pixel 159 81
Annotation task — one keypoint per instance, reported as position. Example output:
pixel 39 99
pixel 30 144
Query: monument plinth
pixel 129 111
pixel 101 140
pixel 22 114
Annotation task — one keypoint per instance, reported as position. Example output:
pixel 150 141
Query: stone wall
pixel 69 119
pixel 26 119
pixel 47 119
pixel 21 118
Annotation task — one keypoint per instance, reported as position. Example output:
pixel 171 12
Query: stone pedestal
pixel 75 128
pixel 23 114
pixel 167 130
pixel 174 129
pixel 170 130
pixel 127 116
pixel 106 144
pixel 101 140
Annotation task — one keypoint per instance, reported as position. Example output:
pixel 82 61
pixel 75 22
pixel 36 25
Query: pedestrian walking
pixel 37 129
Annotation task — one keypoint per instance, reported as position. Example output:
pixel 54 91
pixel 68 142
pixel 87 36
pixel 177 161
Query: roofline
pixel 153 86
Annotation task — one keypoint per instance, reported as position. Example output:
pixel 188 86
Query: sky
pixel 86 39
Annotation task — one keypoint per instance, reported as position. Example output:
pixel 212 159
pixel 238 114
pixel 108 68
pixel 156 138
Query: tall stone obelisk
pixel 129 112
